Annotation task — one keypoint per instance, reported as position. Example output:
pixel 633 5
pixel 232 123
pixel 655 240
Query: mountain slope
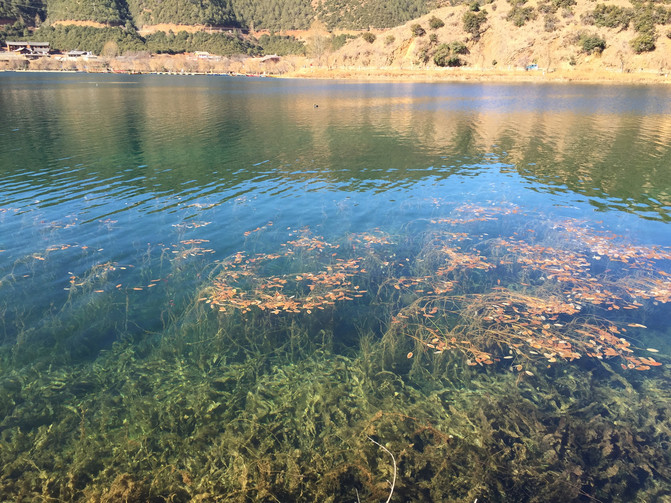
pixel 258 14
pixel 549 35
pixel 563 38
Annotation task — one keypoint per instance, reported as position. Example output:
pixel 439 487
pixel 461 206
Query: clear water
pixel 222 289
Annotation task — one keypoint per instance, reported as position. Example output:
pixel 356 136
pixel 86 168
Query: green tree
pixel 592 43
pixel 417 30
pixel 368 37
pixel 442 55
pixel 645 42
pixel 457 47
pixel 281 45
pixel 447 54
pixel 356 14
pixel 435 23
pixel 472 22
pixel 519 15
pixel 338 41
pixel 610 16
pixel 110 49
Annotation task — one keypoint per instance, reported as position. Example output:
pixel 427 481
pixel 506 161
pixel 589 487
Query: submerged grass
pixel 486 368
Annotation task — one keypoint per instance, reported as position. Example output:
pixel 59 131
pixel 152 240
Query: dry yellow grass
pixel 167 27
pixel 501 52
pixel 479 75
pixel 92 24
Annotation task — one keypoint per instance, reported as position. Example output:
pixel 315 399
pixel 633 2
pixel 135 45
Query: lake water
pixel 240 289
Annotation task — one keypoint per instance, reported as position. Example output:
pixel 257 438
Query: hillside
pixel 504 35
pixel 246 14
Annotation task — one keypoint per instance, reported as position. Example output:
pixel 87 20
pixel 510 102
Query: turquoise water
pixel 222 289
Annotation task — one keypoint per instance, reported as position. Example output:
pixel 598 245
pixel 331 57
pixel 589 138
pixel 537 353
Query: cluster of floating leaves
pixel 190 225
pixel 242 285
pixel 553 293
pixel 190 248
pixel 259 229
pixel 103 277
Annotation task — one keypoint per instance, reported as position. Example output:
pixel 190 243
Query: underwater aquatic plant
pixel 537 294
pixel 445 339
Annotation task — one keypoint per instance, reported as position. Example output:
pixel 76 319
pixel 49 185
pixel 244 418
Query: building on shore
pixel 29 49
pixel 270 58
pixel 76 55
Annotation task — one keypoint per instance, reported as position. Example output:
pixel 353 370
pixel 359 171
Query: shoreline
pixel 481 75
pixel 426 75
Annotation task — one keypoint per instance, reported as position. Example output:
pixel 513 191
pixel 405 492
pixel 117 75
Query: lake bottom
pixel 487 353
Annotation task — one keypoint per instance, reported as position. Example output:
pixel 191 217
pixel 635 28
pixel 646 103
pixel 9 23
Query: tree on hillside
pixel 417 30
pixel 447 54
pixel 356 14
pixel 30 13
pixel 592 43
pixel 644 42
pixel 319 43
pixel 101 11
pixel 110 50
pixel 473 22
pixel 436 23
pixel 368 37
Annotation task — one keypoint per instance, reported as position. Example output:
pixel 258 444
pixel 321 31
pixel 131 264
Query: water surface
pixel 222 289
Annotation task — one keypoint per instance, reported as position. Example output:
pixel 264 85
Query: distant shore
pixel 298 67
pixel 482 75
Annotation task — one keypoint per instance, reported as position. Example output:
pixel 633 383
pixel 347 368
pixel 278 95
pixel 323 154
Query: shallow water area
pixel 247 289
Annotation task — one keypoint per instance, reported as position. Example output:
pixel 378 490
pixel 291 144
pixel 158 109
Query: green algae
pixel 184 427
pixel 231 402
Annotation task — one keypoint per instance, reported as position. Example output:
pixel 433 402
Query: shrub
pixel 441 55
pixel 433 38
pixel 423 55
pixel 550 24
pixel 457 47
pixel 473 22
pixel 417 30
pixel 474 6
pixel 611 16
pixel 645 42
pixel 520 15
pixel 338 41
pixel 546 7
pixel 646 16
pixel 389 39
pixel 552 6
pixel 445 59
pixel 592 43
pixel 436 23
pixel 446 54
pixel 368 37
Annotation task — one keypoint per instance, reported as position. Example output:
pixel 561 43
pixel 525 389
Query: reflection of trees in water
pixel 360 136
pixel 618 160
